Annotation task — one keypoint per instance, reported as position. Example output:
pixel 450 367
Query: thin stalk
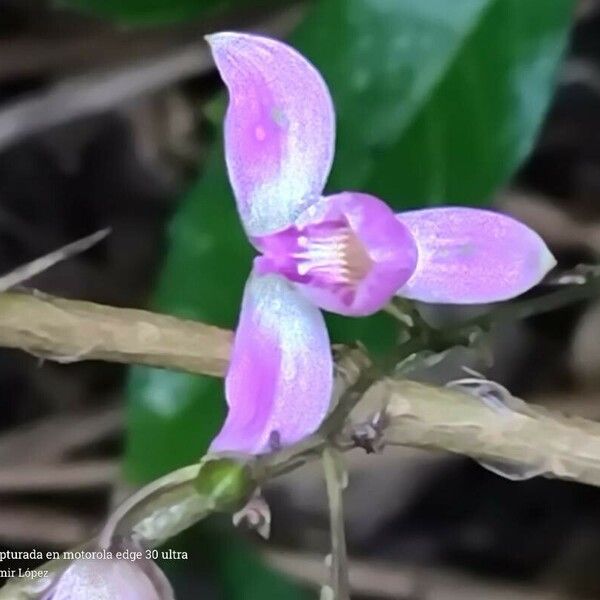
pixel 335 479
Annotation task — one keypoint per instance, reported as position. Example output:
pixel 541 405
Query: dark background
pixel 421 525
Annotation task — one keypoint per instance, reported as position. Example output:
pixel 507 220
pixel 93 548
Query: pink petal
pixel 109 580
pixel 279 129
pixel 472 256
pixel 280 377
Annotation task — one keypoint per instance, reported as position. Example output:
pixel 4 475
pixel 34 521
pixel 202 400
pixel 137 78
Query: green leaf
pixel 253 579
pixel 482 118
pixel 169 419
pixel 438 102
pixel 146 12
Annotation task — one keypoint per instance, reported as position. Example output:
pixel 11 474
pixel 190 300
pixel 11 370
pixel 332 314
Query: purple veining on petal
pixel 473 256
pixel 280 378
pixel 279 128
pixel 348 253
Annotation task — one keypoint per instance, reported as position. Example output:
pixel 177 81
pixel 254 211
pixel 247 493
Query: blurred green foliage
pixel 438 102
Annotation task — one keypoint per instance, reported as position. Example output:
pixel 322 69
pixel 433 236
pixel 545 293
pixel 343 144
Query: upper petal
pixel 472 256
pixel 279 128
pixel 280 378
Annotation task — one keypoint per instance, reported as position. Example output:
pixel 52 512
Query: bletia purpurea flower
pixel 347 253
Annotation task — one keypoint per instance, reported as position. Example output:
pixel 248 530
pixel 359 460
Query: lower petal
pixel 280 378
pixel 472 256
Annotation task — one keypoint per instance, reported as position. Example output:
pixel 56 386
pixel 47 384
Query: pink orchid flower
pixel 347 253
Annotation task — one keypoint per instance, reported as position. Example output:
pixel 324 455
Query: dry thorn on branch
pixel 37 266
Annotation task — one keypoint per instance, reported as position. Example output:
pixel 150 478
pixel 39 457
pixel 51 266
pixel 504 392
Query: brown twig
pixel 385 580
pixel 71 330
pixel 527 438
pixel 94 93
pixel 75 476
pixel 51 439
pixel 35 526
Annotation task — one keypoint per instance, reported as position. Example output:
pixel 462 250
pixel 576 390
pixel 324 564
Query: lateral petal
pixel 472 256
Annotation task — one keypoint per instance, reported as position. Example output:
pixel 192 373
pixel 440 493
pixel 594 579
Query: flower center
pixel 336 255
pixel 346 253
pixel 328 254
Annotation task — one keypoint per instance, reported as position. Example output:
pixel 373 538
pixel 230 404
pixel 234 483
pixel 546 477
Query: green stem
pixel 335 480
pixel 425 337
pixel 154 500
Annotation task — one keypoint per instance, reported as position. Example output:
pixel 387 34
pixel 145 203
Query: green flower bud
pixel 227 482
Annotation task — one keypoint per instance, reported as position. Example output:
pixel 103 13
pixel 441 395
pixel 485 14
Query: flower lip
pixel 336 252
pixel 347 253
